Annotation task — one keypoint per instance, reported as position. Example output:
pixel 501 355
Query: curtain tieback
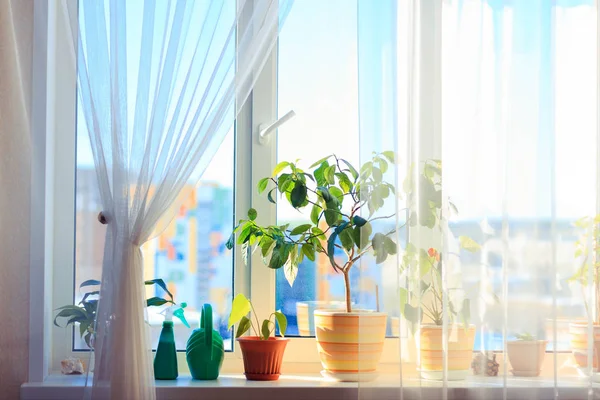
pixel 102 218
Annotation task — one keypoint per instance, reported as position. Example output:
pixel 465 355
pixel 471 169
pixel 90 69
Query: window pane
pixel 321 86
pixel 190 255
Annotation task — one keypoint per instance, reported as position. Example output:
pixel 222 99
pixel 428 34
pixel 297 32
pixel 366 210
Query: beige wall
pixel 16 27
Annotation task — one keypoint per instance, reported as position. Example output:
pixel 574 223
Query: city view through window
pixel 322 88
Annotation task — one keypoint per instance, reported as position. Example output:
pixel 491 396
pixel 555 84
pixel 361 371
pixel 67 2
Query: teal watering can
pixel 204 351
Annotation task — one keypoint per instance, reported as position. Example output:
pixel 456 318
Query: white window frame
pixel 53 199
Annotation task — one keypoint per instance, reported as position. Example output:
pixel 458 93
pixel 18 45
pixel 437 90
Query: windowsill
pixel 304 386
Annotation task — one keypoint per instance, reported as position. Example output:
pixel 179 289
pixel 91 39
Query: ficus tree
pixel 342 203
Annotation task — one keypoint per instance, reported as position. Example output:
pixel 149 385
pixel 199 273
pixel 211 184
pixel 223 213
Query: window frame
pixel 53 199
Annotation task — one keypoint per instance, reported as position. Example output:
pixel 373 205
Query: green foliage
pixel 525 336
pixel 84 313
pixel 423 266
pixel 585 246
pixel 240 309
pixel 340 202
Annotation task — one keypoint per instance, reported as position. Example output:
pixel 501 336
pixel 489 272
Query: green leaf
pixel 155 301
pixel 88 294
pixel 469 244
pixel 89 282
pixel 351 168
pixel 403 298
pixel 346 238
pixel 246 232
pixel 70 311
pixel 383 165
pixel 331 217
pixel 315 214
pixel 265 331
pixel 262 185
pixel 325 193
pixel 243 326
pixel 83 327
pixel 425 262
pixel 284 181
pixel 266 244
pixel 301 229
pixel 465 313
pixel 330 174
pixel 88 340
pixel 320 174
pixel 231 241
pixel 280 167
pixel 412 316
pixel 281 321
pixel 252 214
pixel 377 175
pixel 160 283
pixel 290 269
pixel 270 196
pixel 239 309
pixel 390 155
pixel 245 251
pixel 280 255
pixel 337 193
pixel 366 170
pixel 389 245
pixel 320 161
pixel 344 182
pixel 298 194
pixel 358 221
pixel 309 251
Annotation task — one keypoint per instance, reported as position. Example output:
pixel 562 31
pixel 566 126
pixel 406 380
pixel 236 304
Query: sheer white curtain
pixel 160 85
pixel 504 94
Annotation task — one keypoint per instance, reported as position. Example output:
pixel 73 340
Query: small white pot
pixel 526 357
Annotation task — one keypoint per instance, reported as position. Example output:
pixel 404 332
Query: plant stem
pixel 257 323
pixel 346 272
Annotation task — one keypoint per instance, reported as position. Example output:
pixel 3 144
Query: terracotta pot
pixel 526 357
pixel 305 314
pixel 460 351
pixel 262 358
pixel 350 344
pixel 578 334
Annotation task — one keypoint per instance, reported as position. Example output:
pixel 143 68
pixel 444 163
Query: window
pixel 321 86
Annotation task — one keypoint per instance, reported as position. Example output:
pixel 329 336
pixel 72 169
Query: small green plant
pixel 587 252
pixel 342 202
pixel 85 312
pixel 526 336
pixel 422 267
pixel 240 309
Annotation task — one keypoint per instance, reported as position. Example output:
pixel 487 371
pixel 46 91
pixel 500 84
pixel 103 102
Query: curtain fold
pixel 160 84
pixel 497 110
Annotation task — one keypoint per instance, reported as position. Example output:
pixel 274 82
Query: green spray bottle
pixel 165 360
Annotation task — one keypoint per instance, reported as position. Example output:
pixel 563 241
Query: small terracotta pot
pixel 526 356
pixel 262 358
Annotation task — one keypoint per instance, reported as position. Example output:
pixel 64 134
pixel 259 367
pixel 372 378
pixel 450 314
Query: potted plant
pixel 425 293
pixel 342 203
pixel 84 313
pixel 589 266
pixel 263 352
pixel 526 355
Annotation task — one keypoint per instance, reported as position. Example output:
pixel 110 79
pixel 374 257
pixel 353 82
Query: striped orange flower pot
pixel 460 351
pixel 305 314
pixel 350 344
pixel 578 335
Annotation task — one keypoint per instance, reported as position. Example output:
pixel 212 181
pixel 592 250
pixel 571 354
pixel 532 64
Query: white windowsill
pixel 311 386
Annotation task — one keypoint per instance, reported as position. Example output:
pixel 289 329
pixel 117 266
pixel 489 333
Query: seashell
pixel 72 366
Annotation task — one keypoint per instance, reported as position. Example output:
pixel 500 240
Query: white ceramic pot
pixel 526 357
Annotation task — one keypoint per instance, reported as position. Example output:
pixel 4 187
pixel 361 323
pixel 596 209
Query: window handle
pixel 265 130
